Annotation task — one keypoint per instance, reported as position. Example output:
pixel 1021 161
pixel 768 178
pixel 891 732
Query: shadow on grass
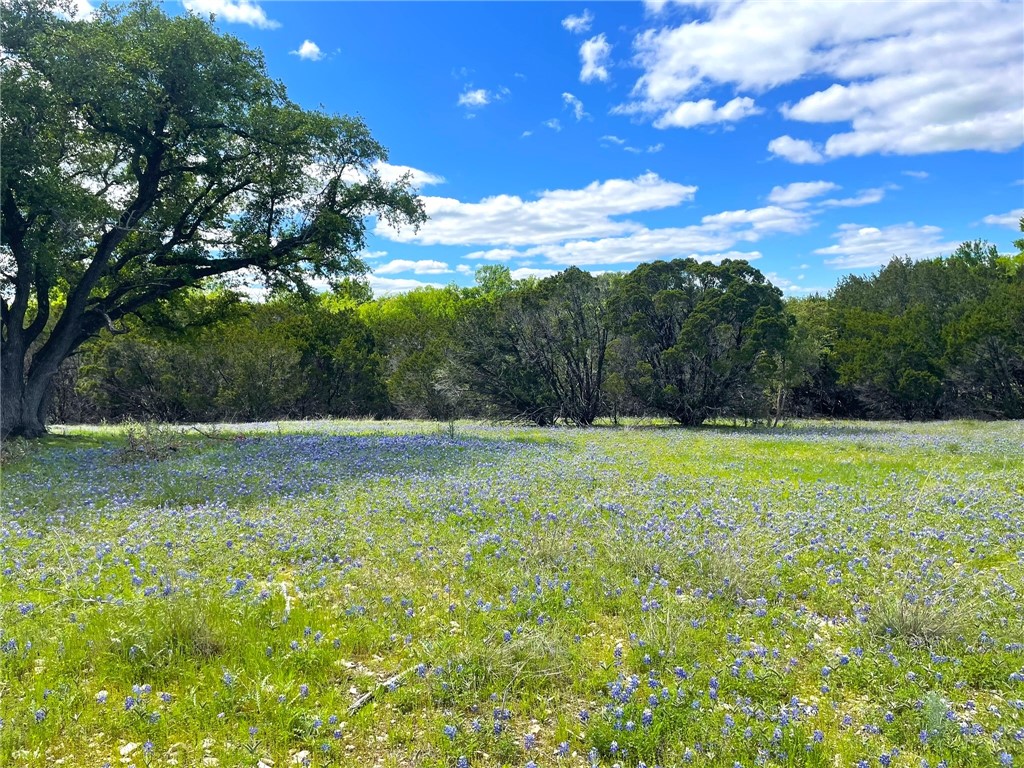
pixel 90 471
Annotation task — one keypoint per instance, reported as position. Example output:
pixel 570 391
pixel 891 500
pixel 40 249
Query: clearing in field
pixel 398 594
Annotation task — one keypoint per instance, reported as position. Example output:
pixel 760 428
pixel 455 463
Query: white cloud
pixel 795 150
pixel 860 247
pixel 654 148
pixel 865 197
pixel 526 272
pixel 916 174
pixel 495 254
pixel 792 287
pixel 384 286
pixel 594 55
pixel 578 24
pixel 1009 219
pixel 392 173
pixel 613 139
pixel 554 124
pixel 421 267
pixel 464 269
pixel 713 239
pixel 309 51
pixel 654 7
pixel 556 215
pixel 645 246
pixel 386 171
pixel 474 98
pixel 234 12
pixel 525 134
pixel 906 77
pixel 81 10
pixel 576 104
pixel 771 218
pixel 692 113
pixel 800 191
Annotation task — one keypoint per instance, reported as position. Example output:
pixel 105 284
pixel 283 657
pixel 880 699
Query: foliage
pixel 538 352
pixel 695 336
pixel 415 332
pixel 145 153
pixel 934 337
pixel 251 361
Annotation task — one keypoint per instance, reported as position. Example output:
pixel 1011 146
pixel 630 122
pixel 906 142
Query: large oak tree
pixel 145 153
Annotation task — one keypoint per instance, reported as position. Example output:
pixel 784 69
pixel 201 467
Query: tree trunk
pixel 22 402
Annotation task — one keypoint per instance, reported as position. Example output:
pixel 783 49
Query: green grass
pixel 816 595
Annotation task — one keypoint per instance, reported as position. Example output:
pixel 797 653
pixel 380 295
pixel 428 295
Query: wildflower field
pixel 359 593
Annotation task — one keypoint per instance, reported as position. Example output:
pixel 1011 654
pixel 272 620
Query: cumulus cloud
pixel 792 287
pixel 554 216
pixel 590 226
pixel 864 197
pixel 554 124
pixel 81 10
pixel 495 254
pixel 475 98
pixel 704 112
pixel 309 51
pixel 416 177
pixel 1009 219
pixel 795 150
pixel 714 238
pixel 420 267
pixel 234 12
pixel 860 247
pixel 576 104
pixel 800 191
pixel 386 171
pixel 594 56
pixel 904 77
pixel 578 24
pixel 647 245
pixel 385 286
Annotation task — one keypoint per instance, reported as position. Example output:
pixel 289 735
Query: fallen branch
pixel 215 436
pixel 392 682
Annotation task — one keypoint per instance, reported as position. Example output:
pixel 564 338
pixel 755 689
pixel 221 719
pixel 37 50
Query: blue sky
pixel 813 138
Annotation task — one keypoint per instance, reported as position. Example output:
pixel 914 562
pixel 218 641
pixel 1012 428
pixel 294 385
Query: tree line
pixel 690 341
pixel 147 158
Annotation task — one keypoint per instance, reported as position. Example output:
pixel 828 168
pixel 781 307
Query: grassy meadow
pixel 396 594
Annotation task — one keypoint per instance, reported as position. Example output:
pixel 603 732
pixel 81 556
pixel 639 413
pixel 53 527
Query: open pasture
pixel 346 593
